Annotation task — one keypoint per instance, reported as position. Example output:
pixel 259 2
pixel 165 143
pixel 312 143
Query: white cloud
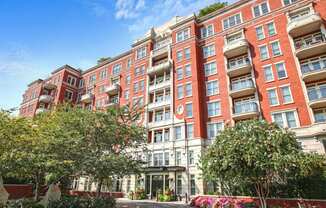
pixel 129 9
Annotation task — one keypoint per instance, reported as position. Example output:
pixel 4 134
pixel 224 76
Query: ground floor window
pixel 179 184
pixel 192 185
pixel 128 185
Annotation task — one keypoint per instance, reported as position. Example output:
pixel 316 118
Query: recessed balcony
pixel 45 98
pixel 159 104
pixel 317 96
pixel 314 70
pixel 304 24
pixel 310 46
pixel 236 48
pixel 49 86
pixel 245 110
pixel 41 110
pixel 159 85
pixel 239 67
pixel 164 66
pixel 112 89
pixel 160 52
pixel 161 123
pixel 241 88
pixel 87 98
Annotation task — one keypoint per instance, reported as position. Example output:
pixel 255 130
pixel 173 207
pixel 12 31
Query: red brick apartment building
pixel 253 59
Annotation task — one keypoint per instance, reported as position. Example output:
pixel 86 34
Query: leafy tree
pixel 258 155
pixel 211 8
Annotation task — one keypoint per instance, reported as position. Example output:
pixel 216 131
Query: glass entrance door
pixel 157 184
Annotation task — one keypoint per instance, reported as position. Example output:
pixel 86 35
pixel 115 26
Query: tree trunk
pixel 37 187
pixel 99 188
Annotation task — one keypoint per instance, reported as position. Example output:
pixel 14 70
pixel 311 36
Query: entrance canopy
pixel 164 169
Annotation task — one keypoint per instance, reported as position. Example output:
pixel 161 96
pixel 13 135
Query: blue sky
pixel 38 36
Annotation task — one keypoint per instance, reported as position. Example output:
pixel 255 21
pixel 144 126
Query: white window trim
pixel 176 55
pixel 184 54
pixel 186 90
pixel 180 85
pixel 268 65
pixel 277 97
pixel 286 71
pixel 192 108
pixel 283 113
pixel 209 45
pixel 213 101
pixel 206 26
pixel 279 46
pixel 176 72
pixel 214 122
pixel 259 4
pixel 266 25
pixel 210 62
pixel 286 85
pixel 182 30
pixel 184 70
pixel 262 26
pixel 218 89
pixel 268 56
pixel 241 20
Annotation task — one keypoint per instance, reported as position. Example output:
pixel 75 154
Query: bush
pixel 24 203
pixel 140 194
pixel 79 202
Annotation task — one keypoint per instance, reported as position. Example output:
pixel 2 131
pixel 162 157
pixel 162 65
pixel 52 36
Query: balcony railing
pixel 87 98
pixel 309 41
pixel 242 84
pixel 317 93
pixel 159 103
pixel 235 47
pixel 161 50
pixel 303 22
pixel 45 98
pixel 319 64
pixel 238 63
pixel 164 65
pixel 246 107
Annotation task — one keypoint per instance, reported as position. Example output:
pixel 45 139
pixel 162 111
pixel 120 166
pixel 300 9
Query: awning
pixel 164 169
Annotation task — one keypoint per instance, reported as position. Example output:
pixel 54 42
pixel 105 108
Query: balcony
pixel 317 96
pixel 303 24
pixel 41 110
pixel 235 48
pixel 241 88
pixel 161 84
pixel 239 67
pixel 161 123
pixel 311 45
pixel 160 52
pixel 159 104
pixel 49 86
pixel 45 98
pixel 87 98
pixel 314 70
pixel 112 89
pixel 164 66
pixel 245 110
pixel 113 102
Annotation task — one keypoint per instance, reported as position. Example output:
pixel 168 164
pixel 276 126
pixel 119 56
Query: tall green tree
pixel 257 155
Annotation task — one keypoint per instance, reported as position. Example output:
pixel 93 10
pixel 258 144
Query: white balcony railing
pixel 242 84
pixel 112 89
pixel 303 22
pixel 246 107
pixel 46 98
pixel 87 98
pixel 157 104
pixel 160 67
pixel 309 41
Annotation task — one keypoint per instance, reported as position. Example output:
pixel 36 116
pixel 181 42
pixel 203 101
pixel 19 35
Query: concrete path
pixel 126 203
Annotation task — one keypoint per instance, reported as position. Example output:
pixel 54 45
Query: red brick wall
pixel 19 191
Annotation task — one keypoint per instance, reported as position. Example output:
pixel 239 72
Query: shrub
pixel 24 203
pixel 79 202
pixel 140 194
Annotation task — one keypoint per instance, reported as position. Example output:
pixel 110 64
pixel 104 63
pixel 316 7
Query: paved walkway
pixel 126 203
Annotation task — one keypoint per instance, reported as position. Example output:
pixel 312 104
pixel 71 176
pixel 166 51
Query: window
pixel 92 79
pixel 139 71
pixel 190 130
pixel 188 87
pixel 158 136
pixel 129 63
pixel 127 93
pixel 189 110
pixel 188 70
pixel 231 21
pixel 179 184
pixel 214 108
pixel 178 158
pixel 212 88
pixel 271 28
pixel 116 69
pixel 272 97
pixel 101 89
pixel 179 55
pixel 207 31
pixel 103 74
pixel 285 119
pixel 261 9
pixel 286 2
pixel 179 73
pixel 263 50
pixel 136 87
pixel 187 53
pixel 213 129
pixel 71 80
pixel 166 158
pixel 128 80
pixel 209 51
pixel 210 68
pixel 142 85
pixel 158 159
pixel 141 52
pixel 81 83
pixel 183 35
pixel 177 133
pixel 286 94
pixel 166 135
pixel 320 115
pixel 280 69
pixel 68 95
pixel 191 158
pixel 180 92
pixel 268 72
pixel 260 33
pixel 192 185
pixel 276 50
